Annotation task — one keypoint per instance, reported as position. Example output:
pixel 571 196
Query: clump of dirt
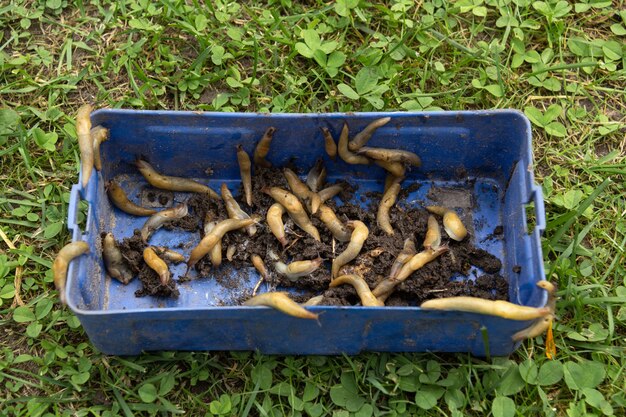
pixel 152 285
pixel 132 250
pixel 443 277
pixel 198 205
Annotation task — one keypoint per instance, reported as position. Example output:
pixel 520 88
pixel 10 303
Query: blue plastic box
pixel 492 148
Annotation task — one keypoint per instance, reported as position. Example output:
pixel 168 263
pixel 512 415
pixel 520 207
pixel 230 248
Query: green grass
pixel 563 63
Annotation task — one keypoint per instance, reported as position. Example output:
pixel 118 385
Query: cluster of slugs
pixel 302 200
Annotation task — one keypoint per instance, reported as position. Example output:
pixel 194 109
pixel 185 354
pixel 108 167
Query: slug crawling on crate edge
pixel 245 171
pixel 361 138
pixel 61 263
pixel 85 142
pixel 281 301
pixel 98 134
pixel 345 153
pixel 263 148
pixel 540 325
pixel 329 143
pixel 499 308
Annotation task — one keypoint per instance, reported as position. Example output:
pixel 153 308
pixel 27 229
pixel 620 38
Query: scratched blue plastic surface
pixel 483 158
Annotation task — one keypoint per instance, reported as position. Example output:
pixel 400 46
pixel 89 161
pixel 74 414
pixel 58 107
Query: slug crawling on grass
pixel 498 308
pixel 156 221
pixel 359 235
pixel 234 210
pixel 388 201
pixel 301 190
pixel 210 240
pixel 362 289
pixel 345 153
pixel 245 170
pixel 297 269
pixel 158 265
pixel 361 138
pixel 451 222
pixel 98 134
pixel 386 287
pixel 114 261
pixel 329 143
pixel 263 148
pixel 281 301
pixel 120 200
pixel 61 263
pixel 295 209
pixel 332 223
pixel 166 182
pixel 85 143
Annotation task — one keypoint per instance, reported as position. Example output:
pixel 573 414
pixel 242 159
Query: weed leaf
pixel 503 407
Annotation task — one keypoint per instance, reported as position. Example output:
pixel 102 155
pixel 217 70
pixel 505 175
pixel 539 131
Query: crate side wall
pixel 452 146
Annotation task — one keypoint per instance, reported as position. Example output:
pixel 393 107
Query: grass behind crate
pixel 560 62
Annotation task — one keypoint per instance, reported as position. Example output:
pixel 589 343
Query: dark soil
pixel 152 285
pixel 132 251
pixel 444 277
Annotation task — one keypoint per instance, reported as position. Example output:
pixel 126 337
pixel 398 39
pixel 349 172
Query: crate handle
pixel 72 210
pixel 540 210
